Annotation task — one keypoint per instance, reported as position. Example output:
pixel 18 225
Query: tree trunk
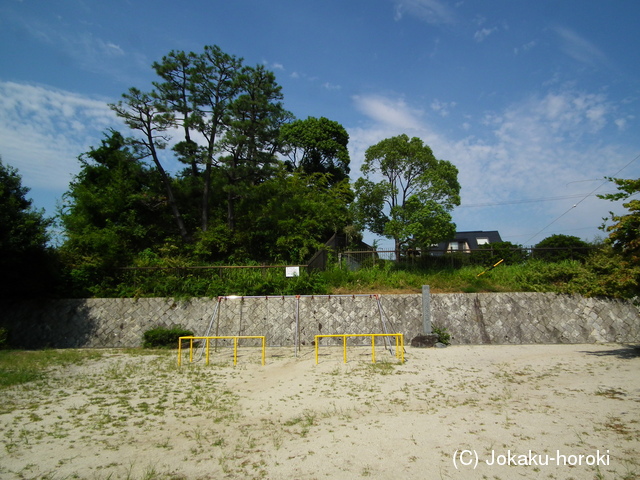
pixel 231 211
pixel 206 193
pixel 172 200
pixel 398 246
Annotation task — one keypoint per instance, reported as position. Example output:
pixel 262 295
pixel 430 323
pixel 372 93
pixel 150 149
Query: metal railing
pixel 217 337
pixel 399 350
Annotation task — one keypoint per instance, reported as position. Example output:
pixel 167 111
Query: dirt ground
pixel 472 412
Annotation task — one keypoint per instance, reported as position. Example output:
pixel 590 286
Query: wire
pixel 584 198
pixel 529 200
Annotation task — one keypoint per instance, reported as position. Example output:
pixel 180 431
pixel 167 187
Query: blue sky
pixel 534 102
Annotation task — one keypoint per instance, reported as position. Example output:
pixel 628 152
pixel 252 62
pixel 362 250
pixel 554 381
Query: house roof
pixel 471 238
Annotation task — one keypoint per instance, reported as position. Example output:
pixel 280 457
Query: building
pixel 466 242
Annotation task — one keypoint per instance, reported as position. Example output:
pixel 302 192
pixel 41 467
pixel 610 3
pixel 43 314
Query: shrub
pixel 162 337
pixel 489 254
pixel 558 248
pixel 443 335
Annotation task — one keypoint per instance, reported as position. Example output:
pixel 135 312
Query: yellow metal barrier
pixel 207 339
pixel 398 336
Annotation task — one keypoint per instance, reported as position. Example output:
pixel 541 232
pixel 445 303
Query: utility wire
pixel 529 200
pixel 584 198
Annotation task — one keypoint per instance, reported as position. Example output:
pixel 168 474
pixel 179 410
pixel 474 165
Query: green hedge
pixel 162 337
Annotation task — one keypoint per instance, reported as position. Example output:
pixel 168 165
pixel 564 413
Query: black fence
pixel 434 258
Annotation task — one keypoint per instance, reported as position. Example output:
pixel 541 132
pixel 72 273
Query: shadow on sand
pixel 625 352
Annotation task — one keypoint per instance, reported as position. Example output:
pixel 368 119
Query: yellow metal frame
pixel 235 346
pixel 398 336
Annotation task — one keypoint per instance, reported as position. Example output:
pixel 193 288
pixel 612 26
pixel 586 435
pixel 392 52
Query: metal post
pixel 344 348
pixel 373 349
pixel 426 310
pixel 297 340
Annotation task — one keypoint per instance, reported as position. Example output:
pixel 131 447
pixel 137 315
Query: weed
pixel 611 393
pixel 444 336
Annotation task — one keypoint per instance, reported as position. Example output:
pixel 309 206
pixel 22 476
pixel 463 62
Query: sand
pixel 472 412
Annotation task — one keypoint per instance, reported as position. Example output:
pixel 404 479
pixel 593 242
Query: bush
pixel 489 254
pixel 443 335
pixel 162 337
pixel 558 248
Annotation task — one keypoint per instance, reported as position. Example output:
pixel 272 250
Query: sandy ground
pixel 472 412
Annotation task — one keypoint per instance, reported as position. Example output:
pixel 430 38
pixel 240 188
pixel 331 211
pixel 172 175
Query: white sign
pixel 292 271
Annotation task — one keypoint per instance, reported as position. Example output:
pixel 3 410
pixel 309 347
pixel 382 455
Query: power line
pixel 584 198
pixel 528 200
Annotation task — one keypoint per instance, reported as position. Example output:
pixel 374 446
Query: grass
pixel 20 366
pixel 389 279
pixel 593 278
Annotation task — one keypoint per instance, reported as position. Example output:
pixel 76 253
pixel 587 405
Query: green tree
pixel 557 248
pixel 624 232
pixel 413 201
pixel 224 119
pixel 251 140
pixel 141 112
pixel 196 92
pixel 114 208
pixel 25 260
pixel 300 212
pixel 317 145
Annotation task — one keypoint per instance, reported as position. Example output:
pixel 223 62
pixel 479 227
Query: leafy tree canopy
pixel 24 257
pixel 557 248
pixel 406 193
pixel 624 232
pixel 114 208
pixel 317 145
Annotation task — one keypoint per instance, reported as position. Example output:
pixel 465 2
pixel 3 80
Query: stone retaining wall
pixel 519 318
pixel 489 318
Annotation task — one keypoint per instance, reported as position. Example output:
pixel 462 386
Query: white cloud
pixel 442 108
pixel 434 12
pixel 43 130
pixel 330 86
pixel 526 47
pixel 84 47
pixel 393 113
pixel 535 149
pixel 483 33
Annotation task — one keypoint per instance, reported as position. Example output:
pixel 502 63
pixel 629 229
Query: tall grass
pixel 600 276
pixel 389 278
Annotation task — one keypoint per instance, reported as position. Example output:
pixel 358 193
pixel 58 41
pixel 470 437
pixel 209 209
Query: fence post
pixel 426 310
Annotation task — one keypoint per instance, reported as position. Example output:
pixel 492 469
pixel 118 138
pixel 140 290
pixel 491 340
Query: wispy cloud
pixel 392 112
pixel 579 48
pixel 526 47
pixel 434 12
pixel 442 108
pixel 43 130
pixel 531 149
pixel 331 86
pixel 86 48
pixel 482 34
